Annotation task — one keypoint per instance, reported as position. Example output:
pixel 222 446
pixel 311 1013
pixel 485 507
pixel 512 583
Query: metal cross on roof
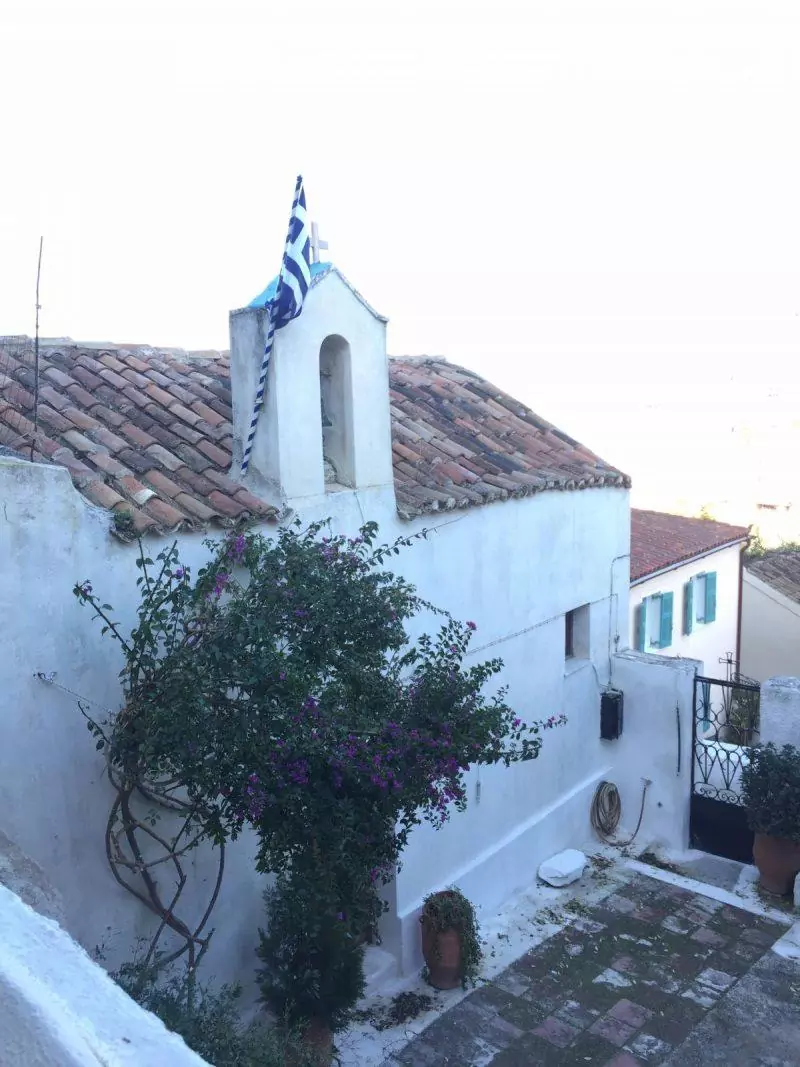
pixel 316 244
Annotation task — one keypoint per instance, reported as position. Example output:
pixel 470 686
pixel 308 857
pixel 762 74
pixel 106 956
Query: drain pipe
pixel 611 595
pixel 739 613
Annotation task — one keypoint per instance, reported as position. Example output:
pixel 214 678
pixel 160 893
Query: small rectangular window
pixel 569 634
pixel 576 634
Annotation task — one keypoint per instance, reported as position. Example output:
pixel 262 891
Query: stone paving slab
pixel 654 974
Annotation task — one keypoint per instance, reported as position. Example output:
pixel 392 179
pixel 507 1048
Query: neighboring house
pixel 530 539
pixel 771 615
pixel 686 587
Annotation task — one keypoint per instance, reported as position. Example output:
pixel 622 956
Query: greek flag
pixel 293 282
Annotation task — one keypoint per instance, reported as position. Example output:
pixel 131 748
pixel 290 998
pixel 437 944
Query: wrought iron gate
pixel 726 722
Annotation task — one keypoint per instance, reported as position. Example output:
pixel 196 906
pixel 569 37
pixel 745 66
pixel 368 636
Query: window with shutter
pixel 699 596
pixel 640 624
pixel 688 609
pixel 665 629
pixel 711 597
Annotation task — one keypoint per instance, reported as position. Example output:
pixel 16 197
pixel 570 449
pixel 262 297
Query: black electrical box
pixel 611 715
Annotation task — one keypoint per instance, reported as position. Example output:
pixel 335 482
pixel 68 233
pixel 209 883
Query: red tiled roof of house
pixel 660 541
pixel 779 568
pixel 147 433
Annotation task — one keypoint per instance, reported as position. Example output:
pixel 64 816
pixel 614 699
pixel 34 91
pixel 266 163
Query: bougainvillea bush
pixel 280 685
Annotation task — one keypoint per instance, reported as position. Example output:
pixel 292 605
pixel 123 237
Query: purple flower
pixel 282 676
pixel 86 589
pixel 236 547
pixel 220 581
pixel 471 626
pixel 517 723
pixel 178 573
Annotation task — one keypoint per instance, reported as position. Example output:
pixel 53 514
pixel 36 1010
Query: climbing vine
pixel 279 689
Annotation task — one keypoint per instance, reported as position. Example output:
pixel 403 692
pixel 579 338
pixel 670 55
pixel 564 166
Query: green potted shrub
pixel 450 942
pixel 771 791
pixel 312 974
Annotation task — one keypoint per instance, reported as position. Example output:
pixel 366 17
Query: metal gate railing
pixel 726 723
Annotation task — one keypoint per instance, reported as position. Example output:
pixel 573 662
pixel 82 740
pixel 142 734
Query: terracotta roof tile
pixel 100 493
pixel 58 377
pixel 154 428
pixel 139 437
pixel 104 414
pixel 82 397
pixel 449 424
pixel 216 455
pixel 780 569
pixel 165 513
pixel 660 541
pixel 185 414
pixel 80 418
pixel 166 458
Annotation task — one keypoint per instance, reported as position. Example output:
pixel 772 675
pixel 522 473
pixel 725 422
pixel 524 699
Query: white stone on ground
pixel 564 868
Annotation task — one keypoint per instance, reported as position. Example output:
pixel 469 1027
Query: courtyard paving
pixel 653 974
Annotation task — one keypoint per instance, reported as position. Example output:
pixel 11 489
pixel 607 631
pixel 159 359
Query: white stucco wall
pixel 54 798
pixel 770 631
pixel 59 1009
pixel 780 711
pixel 513 567
pixel 708 642
pixel 656 744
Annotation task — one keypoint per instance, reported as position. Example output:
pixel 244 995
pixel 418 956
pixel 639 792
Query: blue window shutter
pixel 711 596
pixel 655 642
pixel 640 624
pixel 665 633
pixel 688 607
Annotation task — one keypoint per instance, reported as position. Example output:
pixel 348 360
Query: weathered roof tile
pixel 458 441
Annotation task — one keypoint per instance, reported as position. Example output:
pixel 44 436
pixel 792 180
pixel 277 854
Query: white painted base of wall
pixel 511 864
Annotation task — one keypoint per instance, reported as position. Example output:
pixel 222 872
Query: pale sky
pixel 594 204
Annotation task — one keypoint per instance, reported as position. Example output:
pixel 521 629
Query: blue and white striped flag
pixel 293 282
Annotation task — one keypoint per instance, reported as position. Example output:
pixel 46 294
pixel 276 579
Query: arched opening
pixel 336 411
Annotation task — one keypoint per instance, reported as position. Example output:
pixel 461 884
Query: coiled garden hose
pixel 606 812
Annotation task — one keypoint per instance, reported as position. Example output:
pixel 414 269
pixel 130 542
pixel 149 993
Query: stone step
pixel 380 967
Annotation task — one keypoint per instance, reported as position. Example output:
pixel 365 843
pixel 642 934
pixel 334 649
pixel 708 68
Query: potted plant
pixel 450 941
pixel 771 791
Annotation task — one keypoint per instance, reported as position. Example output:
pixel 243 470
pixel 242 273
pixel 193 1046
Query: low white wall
pixel 708 642
pixel 656 744
pixel 770 631
pixel 59 1009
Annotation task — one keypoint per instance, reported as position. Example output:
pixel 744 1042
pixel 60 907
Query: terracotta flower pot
pixel 778 861
pixel 318 1039
pixel 442 952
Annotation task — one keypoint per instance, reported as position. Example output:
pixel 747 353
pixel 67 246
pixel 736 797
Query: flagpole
pixel 262 378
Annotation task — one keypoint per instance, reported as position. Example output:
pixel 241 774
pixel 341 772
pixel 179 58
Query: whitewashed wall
pixel 54 798
pixel 708 642
pixel 770 631
pixel 514 568
pixel 59 1009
